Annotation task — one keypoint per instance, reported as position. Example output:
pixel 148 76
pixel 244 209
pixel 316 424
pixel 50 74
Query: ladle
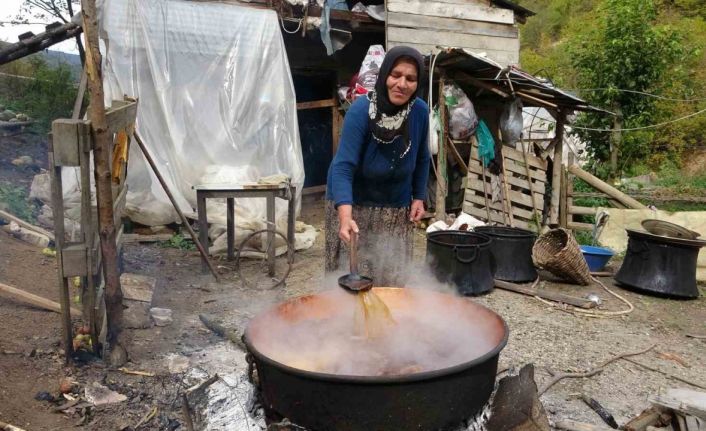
pixel 355 282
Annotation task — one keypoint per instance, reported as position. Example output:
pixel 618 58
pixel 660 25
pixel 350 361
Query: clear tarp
pixel 216 102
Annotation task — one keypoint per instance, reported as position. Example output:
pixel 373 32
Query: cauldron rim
pixel 666 240
pixel 380 380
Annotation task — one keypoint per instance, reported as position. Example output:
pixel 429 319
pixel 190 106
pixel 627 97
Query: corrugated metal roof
pixel 482 72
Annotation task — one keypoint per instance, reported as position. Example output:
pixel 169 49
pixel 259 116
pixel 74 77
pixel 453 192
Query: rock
pixel 177 363
pixel 13 120
pixel 161 316
pixel 98 395
pixel 22 117
pixel 7 115
pixel 23 161
pixel 44 396
pixel 118 356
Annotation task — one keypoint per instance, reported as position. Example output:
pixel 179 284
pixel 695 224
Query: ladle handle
pixel 354 253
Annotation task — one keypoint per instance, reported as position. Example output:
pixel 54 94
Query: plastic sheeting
pixel 615 237
pixel 216 102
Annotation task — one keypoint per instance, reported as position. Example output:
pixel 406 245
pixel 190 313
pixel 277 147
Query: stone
pixel 177 363
pixel 161 316
pixel 23 161
pixel 98 395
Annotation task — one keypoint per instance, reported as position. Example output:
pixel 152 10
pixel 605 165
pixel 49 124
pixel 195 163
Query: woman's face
pixel 402 81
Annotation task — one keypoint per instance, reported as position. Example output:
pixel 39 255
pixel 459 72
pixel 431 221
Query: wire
pixel 651 126
pixel 299 26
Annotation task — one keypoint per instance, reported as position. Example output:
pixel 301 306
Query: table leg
pixel 271 226
pixel 291 208
pixel 203 226
pixel 230 226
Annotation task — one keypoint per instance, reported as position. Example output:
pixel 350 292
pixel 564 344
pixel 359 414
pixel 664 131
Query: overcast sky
pixel 9 32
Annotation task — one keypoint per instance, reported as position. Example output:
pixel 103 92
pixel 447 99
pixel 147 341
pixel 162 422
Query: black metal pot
pixel 660 265
pixel 426 401
pixel 512 250
pixel 463 259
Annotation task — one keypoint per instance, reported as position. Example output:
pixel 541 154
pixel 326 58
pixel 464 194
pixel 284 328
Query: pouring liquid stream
pixel 371 318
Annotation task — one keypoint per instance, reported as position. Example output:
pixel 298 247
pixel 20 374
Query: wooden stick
pixel 203 385
pixel 474 140
pixel 7 427
pixel 186 411
pixel 553 296
pixel 571 425
pixel 669 375
pixel 556 170
pixel 698 337
pixel 606 188
pixel 113 294
pixel 593 371
pixel 35 300
pixel 527 97
pixel 184 221
pixel 7 216
pixel 219 329
pixel 441 186
pixel 457 156
pixel 506 195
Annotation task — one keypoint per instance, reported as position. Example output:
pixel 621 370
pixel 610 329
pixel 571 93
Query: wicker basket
pixel 558 252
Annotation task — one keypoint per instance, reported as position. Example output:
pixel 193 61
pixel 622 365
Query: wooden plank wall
pixel 471 24
pixel 524 210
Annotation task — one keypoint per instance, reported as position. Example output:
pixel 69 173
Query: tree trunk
pixel 615 142
pixel 104 193
pixel 79 43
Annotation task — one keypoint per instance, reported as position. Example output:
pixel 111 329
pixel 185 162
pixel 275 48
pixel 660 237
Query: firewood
pixel 516 405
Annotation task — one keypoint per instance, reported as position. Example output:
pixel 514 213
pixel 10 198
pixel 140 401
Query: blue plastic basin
pixel 596 257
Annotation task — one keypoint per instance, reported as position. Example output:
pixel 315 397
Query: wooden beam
pixel 486 85
pixel 576 210
pixel 458 11
pixel 603 187
pixel 556 170
pixel 35 300
pixel 7 216
pixel 408 20
pixel 315 104
pixel 579 226
pixel 441 187
pixel 545 294
pixel 454 152
pixel 542 102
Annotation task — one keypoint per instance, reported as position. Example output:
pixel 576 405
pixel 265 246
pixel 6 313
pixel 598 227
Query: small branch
pixel 186 411
pixel 669 375
pixel 597 369
pixel 698 337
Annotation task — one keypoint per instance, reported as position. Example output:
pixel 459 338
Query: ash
pixel 229 404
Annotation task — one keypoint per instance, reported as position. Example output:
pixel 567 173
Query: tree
pixel 627 50
pixel 50 10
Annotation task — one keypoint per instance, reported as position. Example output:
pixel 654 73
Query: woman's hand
pixel 347 225
pixel 416 211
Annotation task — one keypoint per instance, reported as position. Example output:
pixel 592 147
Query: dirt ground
pixel 31 357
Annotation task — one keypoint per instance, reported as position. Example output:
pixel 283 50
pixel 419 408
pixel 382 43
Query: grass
pixel 15 200
pixel 179 241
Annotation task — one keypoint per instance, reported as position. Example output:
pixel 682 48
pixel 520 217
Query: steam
pixel 431 333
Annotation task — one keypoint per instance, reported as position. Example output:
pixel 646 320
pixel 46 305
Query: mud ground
pixel 31 357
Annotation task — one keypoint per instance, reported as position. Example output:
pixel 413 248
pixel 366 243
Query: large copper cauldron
pixel 433 399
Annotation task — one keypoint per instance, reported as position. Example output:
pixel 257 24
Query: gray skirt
pixel 385 243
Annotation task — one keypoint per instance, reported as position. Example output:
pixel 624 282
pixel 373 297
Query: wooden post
pixel 58 211
pixel 102 161
pixel 603 187
pixel 556 169
pixel 440 202
pixel 569 190
pixel 615 142
pixel 335 128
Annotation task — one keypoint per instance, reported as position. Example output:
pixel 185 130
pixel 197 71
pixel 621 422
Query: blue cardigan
pixel 367 173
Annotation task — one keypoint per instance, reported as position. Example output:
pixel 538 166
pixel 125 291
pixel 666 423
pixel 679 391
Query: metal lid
pixel 664 228
pixel 632 233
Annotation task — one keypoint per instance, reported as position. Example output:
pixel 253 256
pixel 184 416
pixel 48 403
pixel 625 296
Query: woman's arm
pixel 345 163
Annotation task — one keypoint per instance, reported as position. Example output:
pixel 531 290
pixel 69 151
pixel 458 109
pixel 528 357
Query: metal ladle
pixel 355 282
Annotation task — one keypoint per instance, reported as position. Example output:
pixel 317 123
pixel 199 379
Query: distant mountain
pixel 56 58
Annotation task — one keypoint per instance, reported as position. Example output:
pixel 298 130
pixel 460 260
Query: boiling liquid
pixel 371 318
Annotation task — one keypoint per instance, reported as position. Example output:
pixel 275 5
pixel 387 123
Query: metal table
pixel 231 191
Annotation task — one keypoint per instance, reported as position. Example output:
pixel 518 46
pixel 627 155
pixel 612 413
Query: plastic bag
pixel 486 144
pixel 368 73
pixel 434 130
pixel 462 116
pixel 511 122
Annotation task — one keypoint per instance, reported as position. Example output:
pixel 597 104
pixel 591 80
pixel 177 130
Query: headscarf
pixel 387 120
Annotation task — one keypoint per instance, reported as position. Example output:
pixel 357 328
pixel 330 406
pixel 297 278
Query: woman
pixel 377 180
